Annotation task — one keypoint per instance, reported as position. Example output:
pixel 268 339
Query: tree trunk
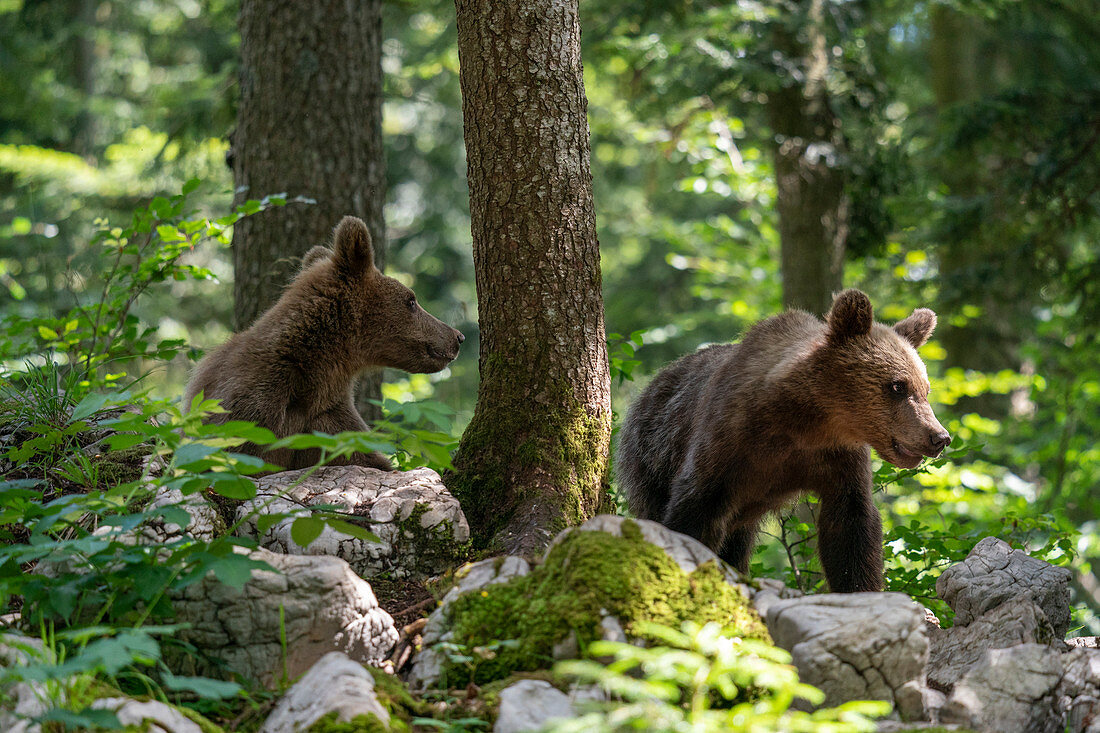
pixel 810 198
pixel 808 148
pixel 534 458
pixel 978 267
pixel 309 124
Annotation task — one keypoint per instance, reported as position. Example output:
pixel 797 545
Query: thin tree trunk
pixel 534 458
pixel 808 152
pixel 963 62
pixel 810 198
pixel 309 124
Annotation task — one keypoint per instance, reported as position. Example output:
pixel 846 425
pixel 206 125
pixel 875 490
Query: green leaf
pixel 234 570
pixel 191 453
pixel 47 334
pixel 89 406
pixel 265 522
pixel 306 529
pixel 86 719
pixel 356 531
pixel 122 441
pixel 204 687
pixel 169 233
pixel 231 486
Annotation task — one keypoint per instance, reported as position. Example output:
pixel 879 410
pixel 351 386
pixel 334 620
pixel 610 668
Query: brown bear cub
pixel 293 371
pixel 725 435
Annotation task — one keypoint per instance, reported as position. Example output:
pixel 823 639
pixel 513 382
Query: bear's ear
pixel 351 246
pixel 315 255
pixel 917 328
pixel 851 315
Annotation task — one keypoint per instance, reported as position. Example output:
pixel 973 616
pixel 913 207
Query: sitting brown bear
pixel 725 435
pixel 293 371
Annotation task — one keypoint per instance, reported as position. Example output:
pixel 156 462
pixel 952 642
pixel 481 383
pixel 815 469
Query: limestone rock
pixel 22 700
pixel 1014 689
pixel 1079 691
pixel 855 646
pixel 151 716
pixel 326 607
pixel 956 650
pixel 1083 642
pixel 429 662
pixel 994 573
pixel 206 524
pixel 770 590
pixel 335 684
pixel 529 704
pixel 422 529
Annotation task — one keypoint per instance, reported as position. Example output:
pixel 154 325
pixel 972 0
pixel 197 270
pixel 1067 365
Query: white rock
pixel 1014 689
pixel 956 650
pixel 149 717
pixel 384 500
pixel 528 705
pixel 1079 690
pixel 205 524
pixel 994 573
pixel 854 646
pixel 335 684
pixel 325 607
pixel 22 700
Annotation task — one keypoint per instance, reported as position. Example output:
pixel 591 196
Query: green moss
pixel 587 576
pixel 204 725
pixel 358 724
pixel 119 467
pixel 517 446
pixel 432 547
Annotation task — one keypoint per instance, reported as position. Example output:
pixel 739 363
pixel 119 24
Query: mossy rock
pixel 358 724
pixel 586 577
pixel 434 548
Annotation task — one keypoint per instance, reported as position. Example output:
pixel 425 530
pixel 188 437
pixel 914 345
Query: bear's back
pixel 657 433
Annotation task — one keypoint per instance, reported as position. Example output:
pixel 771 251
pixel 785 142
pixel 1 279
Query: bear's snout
pixel 939 441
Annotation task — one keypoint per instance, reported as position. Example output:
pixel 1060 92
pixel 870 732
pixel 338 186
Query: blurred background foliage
pixel 971 164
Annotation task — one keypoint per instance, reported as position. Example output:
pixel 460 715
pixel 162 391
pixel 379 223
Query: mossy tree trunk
pixel 309 124
pixel 534 457
pixel 808 151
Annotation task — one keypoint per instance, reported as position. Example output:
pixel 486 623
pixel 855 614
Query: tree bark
pixel 808 152
pixel 974 260
pixel 534 458
pixel 309 124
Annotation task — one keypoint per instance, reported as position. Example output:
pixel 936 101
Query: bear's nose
pixel 940 440
pixel 459 336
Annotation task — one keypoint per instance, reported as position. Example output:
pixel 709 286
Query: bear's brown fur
pixel 293 371
pixel 725 435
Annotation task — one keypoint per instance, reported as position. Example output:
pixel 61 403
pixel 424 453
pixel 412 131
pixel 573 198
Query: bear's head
pixel 380 318
pixel 877 386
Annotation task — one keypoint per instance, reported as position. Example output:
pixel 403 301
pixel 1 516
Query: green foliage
pixel 82 459
pixel 103 334
pixel 704 679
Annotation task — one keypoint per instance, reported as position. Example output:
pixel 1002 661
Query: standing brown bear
pixel 293 371
pixel 725 435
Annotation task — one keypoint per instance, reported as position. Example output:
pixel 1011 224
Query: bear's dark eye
pixel 410 302
pixel 898 389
